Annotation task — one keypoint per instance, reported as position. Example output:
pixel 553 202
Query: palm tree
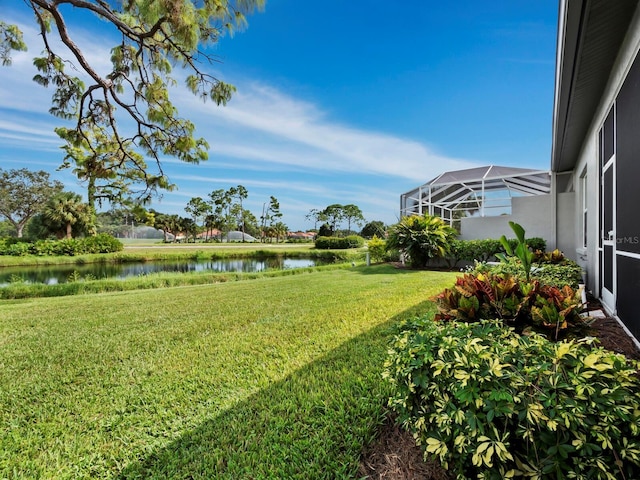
pixel 421 238
pixel 66 210
pixel 280 229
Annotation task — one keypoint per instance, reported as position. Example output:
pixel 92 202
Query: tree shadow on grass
pixel 312 424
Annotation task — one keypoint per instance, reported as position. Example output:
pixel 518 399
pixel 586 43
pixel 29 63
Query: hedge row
pixel 102 243
pixel 484 250
pixel 337 243
pixel 557 275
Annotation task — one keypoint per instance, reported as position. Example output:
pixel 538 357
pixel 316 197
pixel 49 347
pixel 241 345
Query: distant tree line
pixel 334 216
pixel 35 206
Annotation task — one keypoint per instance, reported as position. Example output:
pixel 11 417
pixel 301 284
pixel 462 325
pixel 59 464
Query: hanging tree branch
pixel 156 36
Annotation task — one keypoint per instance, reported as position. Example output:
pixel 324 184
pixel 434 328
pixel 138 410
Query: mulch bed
pixel 395 456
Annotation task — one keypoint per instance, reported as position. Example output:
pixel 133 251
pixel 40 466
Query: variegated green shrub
pixel 491 404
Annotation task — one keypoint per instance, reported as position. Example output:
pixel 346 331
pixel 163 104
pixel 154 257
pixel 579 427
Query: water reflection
pixel 51 275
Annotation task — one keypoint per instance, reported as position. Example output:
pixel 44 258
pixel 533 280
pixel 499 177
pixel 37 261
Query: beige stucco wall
pixel 566 235
pixel 533 213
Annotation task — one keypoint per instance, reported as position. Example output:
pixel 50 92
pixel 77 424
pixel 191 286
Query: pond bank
pixel 184 252
pixel 17 291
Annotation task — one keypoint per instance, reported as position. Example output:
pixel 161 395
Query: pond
pixel 54 274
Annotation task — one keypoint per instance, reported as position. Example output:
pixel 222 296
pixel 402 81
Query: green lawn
pixel 276 377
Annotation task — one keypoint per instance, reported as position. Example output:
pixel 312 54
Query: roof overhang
pixel 590 34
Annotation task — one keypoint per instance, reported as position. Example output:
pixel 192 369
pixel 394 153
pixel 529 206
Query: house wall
pixel 627 191
pixel 533 213
pixel 566 225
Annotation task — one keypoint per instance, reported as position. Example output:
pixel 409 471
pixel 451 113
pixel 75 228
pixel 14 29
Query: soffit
pixel 593 34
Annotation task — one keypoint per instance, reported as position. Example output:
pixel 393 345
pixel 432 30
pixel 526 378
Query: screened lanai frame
pixel 482 191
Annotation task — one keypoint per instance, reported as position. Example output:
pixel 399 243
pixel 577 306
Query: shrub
pixel 522 305
pixel 18 249
pixel 485 250
pixel 491 404
pixel 566 272
pixel 470 250
pixel 377 248
pixel 6 243
pixel 540 256
pixel 337 243
pixel 421 238
pixel 44 247
pixel 558 275
pixel 68 246
pixel 101 243
pixel 536 243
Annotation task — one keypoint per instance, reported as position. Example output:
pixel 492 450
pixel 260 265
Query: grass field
pixel 276 377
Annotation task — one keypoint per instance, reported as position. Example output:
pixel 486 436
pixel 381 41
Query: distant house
pixel 301 236
pixel 596 148
pixel 210 234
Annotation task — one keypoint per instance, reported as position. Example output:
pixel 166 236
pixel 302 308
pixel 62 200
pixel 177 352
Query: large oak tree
pixel 24 194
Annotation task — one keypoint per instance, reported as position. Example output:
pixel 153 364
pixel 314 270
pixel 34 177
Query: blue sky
pixel 350 102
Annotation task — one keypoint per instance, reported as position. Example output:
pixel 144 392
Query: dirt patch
pixel 395 455
pixel 613 337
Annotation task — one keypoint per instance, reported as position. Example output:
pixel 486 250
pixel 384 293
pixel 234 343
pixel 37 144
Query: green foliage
pixel 521 250
pixel 540 256
pixel 153 37
pixel 352 215
pixel 336 243
pixel 535 243
pixel 66 215
pixel 18 249
pixel 374 228
pixel 522 305
pixel 10 39
pixel 566 272
pixel 554 308
pixel 485 250
pixel 102 243
pixel 24 193
pixel 421 238
pixel 325 231
pixel 377 249
pixel 558 275
pixel 74 276
pixel 470 250
pixel 490 404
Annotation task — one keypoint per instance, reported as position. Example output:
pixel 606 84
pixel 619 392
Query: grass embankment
pixel 274 378
pixel 20 290
pixel 149 253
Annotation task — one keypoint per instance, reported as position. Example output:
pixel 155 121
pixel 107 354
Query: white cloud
pixel 280 129
pixel 260 123
pixel 260 139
